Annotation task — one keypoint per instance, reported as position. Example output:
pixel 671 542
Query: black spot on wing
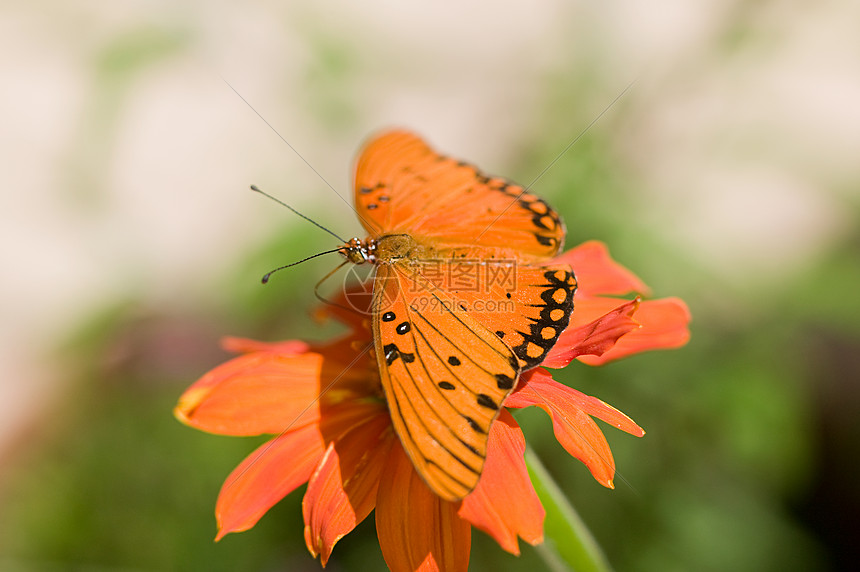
pixel 473 424
pixel 504 381
pixel 543 332
pixel 392 353
pixel 546 240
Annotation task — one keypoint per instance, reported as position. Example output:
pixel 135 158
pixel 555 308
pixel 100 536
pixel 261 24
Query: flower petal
pixel 277 467
pixel 571 422
pixel 267 391
pixel 542 386
pixel 664 326
pixel 254 394
pixel 342 491
pixel 596 272
pixel 266 476
pixel 245 345
pixel 504 504
pixel 418 530
pixel 594 338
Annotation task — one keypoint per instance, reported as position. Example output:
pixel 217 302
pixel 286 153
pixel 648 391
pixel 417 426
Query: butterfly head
pixel 359 251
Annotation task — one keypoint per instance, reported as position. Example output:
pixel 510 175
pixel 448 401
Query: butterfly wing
pixel 401 185
pixel 444 374
pixel 447 361
pixel 528 307
pixel 543 304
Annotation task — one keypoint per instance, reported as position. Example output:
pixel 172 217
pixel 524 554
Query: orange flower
pixel 325 406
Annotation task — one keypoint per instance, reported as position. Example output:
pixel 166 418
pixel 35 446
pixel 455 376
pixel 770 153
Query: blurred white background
pixel 126 157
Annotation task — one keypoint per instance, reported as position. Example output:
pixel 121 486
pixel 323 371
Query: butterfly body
pixel 390 248
pixel 464 298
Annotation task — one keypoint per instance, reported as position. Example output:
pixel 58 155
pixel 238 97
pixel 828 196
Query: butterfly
pixel 463 299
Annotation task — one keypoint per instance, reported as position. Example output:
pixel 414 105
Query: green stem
pixel 568 544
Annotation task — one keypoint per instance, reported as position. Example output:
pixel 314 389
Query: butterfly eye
pixel 356 255
pixel 356 251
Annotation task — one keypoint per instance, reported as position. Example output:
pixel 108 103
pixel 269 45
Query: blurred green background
pixel 727 175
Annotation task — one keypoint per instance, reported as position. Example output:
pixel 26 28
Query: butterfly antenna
pixel 256 189
pixel 267 275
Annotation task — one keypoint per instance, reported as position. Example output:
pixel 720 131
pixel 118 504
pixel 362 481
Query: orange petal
pixel 266 476
pixel 342 491
pixel 664 326
pixel 543 387
pixel 418 530
pixel 504 504
pixel 245 345
pixel 571 422
pixel 586 309
pixel 596 272
pixel 278 466
pixel 268 391
pixel 594 338
pixel 254 394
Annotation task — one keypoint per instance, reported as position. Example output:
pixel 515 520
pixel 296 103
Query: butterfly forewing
pixel 444 374
pixel 401 185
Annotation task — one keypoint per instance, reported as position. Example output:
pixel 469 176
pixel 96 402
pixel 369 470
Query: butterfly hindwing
pixel 401 185
pixel 528 307
pixel 444 374
pixel 545 303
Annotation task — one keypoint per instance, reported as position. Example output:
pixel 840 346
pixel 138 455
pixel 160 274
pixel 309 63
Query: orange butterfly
pixel 461 303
